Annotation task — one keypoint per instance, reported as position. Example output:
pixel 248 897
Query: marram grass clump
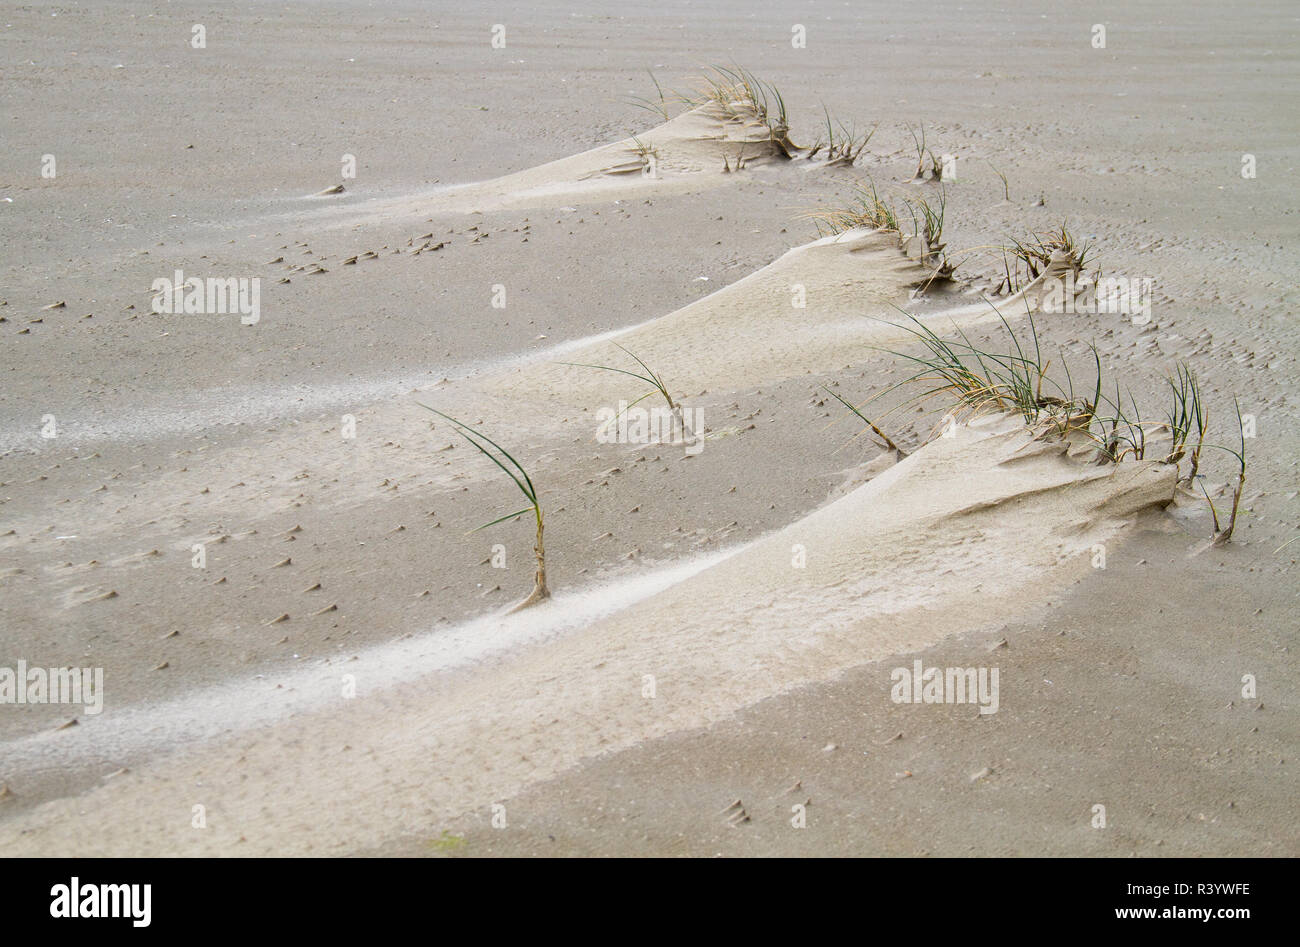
pixel 737 95
pixel 1056 253
pixel 1018 381
pixel 933 174
pixel 842 143
pixel 865 207
pixel 868 209
pixel 741 96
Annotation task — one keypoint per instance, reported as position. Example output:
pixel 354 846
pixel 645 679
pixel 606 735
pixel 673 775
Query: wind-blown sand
pixel 724 621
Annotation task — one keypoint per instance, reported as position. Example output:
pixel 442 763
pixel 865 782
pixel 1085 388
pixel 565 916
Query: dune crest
pixel 704 146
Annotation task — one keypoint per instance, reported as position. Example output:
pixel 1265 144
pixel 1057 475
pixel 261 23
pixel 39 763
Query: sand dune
pixel 936 544
pixel 746 334
pixel 704 147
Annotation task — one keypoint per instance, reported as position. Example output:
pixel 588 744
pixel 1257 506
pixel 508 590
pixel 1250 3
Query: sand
pixel 342 677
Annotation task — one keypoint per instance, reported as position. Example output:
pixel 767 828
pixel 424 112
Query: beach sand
pixel 715 669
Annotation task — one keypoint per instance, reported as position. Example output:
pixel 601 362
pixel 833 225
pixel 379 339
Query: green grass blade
pixel 465 432
pixel 502 519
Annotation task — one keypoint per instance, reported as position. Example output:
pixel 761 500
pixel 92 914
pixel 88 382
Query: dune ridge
pixel 745 334
pixel 705 146
pixel 943 539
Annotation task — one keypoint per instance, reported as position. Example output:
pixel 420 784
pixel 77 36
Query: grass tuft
pixel 1019 381
pixel 658 105
pixel 651 378
pixel 935 171
pixel 842 149
pixel 1024 260
pixel 885 438
pixel 648 154
pixel 1006 191
pixel 516 472
pixel 1185 415
pixel 1224 535
pixel 865 208
pixel 931 222
pixel 742 96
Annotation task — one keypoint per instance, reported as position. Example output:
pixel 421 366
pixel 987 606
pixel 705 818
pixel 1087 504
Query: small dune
pixel 944 541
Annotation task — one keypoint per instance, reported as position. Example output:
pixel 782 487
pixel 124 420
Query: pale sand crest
pixel 696 149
